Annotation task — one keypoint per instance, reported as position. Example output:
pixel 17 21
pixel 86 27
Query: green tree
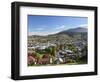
pixel 53 53
pixel 61 46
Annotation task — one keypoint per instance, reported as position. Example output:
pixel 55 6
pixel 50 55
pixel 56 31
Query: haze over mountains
pixel 70 35
pixel 71 31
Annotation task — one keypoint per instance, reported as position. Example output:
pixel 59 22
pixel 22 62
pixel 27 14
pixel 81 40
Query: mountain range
pixel 74 30
pixel 70 32
pixel 74 34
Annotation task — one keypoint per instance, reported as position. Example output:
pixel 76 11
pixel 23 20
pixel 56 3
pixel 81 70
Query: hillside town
pixel 52 50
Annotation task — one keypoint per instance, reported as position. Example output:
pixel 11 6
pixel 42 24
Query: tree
pixel 84 51
pixel 61 46
pixel 74 49
pixel 48 50
pixel 53 53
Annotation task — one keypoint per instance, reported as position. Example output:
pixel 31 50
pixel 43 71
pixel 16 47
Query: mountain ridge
pixel 75 30
pixel 69 31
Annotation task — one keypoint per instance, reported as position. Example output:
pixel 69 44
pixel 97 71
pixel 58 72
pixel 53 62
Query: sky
pixel 45 25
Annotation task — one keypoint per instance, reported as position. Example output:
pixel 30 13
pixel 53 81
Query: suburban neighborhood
pixel 53 50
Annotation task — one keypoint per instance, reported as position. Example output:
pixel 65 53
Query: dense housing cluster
pixel 56 49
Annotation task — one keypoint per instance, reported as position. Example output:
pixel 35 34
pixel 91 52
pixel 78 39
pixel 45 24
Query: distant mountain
pixel 79 29
pixel 66 36
pixel 74 30
pixel 69 33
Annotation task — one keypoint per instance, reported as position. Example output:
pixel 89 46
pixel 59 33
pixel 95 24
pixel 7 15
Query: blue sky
pixel 45 25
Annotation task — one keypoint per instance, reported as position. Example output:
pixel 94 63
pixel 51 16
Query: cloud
pixel 60 27
pixel 42 33
pixel 83 25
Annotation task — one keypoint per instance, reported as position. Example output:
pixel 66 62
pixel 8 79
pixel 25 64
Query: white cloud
pixel 42 33
pixel 60 27
pixel 83 25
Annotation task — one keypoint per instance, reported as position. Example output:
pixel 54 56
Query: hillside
pixel 66 36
